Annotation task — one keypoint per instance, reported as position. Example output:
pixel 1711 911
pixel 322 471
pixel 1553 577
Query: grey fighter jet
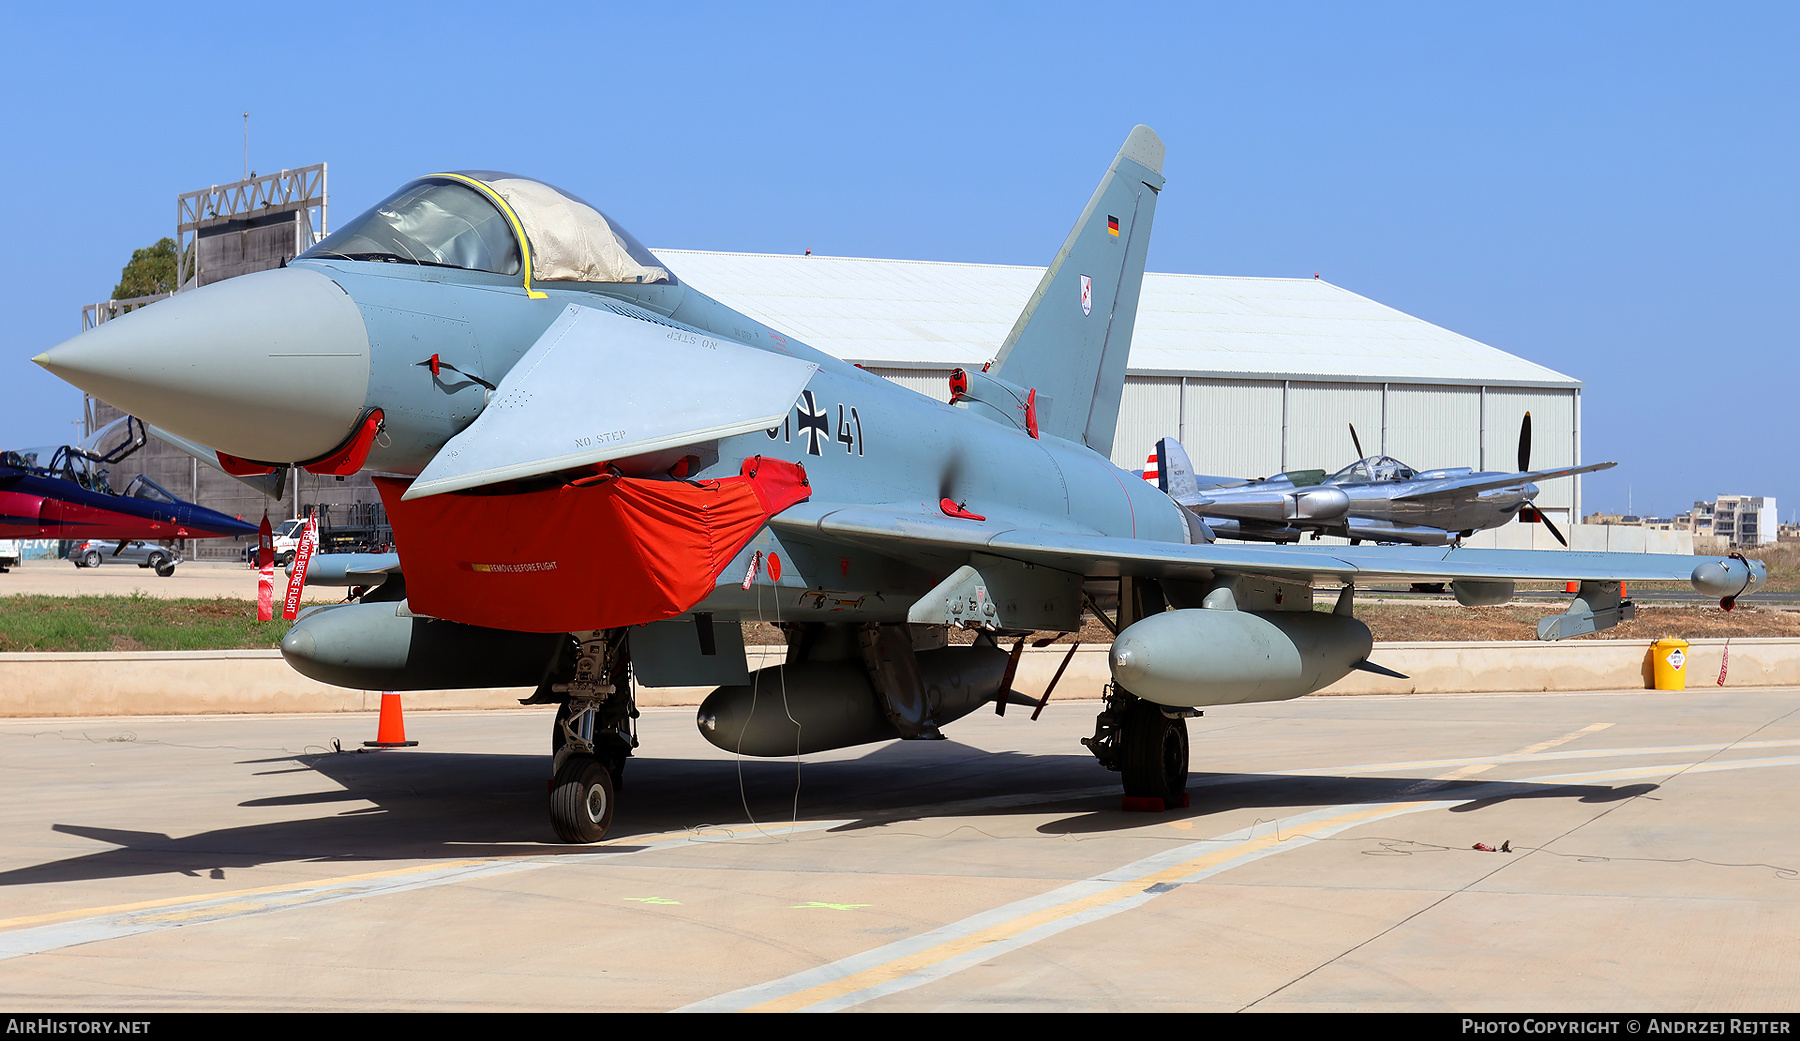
pixel 595 472
pixel 1377 498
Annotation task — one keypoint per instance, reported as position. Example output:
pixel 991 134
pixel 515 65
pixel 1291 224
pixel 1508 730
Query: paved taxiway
pixel 193 579
pixel 1325 864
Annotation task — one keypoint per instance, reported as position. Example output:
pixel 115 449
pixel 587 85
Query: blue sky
pixel 1607 189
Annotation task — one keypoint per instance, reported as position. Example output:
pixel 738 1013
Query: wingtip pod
pixel 1730 577
pixel 1144 147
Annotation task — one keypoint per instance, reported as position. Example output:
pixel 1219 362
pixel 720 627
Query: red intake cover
pixel 604 552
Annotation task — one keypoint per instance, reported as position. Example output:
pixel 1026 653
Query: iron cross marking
pixel 812 423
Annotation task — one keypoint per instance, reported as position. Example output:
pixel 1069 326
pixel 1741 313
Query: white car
pixel 287 543
pixel 9 554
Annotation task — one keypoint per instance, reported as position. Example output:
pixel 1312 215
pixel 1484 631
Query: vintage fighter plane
pixel 1377 498
pixel 64 493
pixel 589 466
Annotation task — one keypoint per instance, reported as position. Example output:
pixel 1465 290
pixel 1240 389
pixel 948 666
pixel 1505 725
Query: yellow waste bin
pixel 1668 664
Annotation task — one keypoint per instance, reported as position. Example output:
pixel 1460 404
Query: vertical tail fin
pixel 1073 339
pixel 1174 471
pixel 1175 476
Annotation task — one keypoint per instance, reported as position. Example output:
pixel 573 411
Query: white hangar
pixel 1253 375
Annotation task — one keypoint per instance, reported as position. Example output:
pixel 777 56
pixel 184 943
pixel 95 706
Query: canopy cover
pixel 447 220
pixel 570 240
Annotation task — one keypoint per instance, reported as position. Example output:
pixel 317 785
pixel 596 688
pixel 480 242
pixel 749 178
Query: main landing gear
pixel 1147 744
pixel 592 737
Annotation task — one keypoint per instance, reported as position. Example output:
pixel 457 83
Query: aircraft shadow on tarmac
pixel 1220 793
pixel 456 805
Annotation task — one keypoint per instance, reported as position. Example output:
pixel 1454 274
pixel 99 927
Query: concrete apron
pixel 160 683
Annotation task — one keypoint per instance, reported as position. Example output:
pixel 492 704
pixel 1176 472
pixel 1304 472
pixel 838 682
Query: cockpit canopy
pixel 469 220
pixel 85 463
pixel 142 487
pixel 1374 468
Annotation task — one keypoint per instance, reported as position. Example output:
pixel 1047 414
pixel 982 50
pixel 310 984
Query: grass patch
pixel 133 623
pixel 1429 621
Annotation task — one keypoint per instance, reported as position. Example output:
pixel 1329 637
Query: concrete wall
pixel 193 682
pixel 1586 538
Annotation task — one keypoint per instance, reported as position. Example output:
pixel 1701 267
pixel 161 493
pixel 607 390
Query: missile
pixel 383 646
pixel 1206 656
pixel 350 569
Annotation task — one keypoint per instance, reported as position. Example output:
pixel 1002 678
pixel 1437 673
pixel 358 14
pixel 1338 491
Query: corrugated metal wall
pixel 1431 427
pixel 1554 437
pixel 1256 428
pixel 1231 428
pixel 1149 409
pixel 1319 419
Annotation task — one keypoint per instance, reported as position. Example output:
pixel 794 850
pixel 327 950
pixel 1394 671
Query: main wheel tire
pixel 581 800
pixel 165 569
pixel 1154 753
pixel 91 559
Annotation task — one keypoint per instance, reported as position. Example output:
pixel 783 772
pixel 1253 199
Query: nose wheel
pixel 581 799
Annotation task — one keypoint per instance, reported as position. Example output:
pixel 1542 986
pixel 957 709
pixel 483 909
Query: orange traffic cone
pixel 391 731
pixel 1572 587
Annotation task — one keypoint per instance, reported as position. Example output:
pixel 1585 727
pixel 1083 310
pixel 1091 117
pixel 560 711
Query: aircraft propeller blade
pixel 1357 441
pixel 1552 528
pixel 1525 443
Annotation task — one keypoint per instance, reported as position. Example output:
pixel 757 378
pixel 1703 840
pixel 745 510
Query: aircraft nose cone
pixel 271 366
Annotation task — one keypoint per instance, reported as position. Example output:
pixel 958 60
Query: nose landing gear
pixel 592 738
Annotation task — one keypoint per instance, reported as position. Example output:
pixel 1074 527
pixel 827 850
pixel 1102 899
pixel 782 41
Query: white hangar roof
pixel 909 313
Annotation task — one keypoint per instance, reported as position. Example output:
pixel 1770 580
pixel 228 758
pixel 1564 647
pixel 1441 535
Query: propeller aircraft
pixel 595 472
pixel 1377 498
pixel 64 493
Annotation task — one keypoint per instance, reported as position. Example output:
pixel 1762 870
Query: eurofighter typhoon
pixel 595 472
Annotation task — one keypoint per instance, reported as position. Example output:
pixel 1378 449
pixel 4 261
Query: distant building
pixel 1635 521
pixel 1255 376
pixel 1742 521
pixel 1745 520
